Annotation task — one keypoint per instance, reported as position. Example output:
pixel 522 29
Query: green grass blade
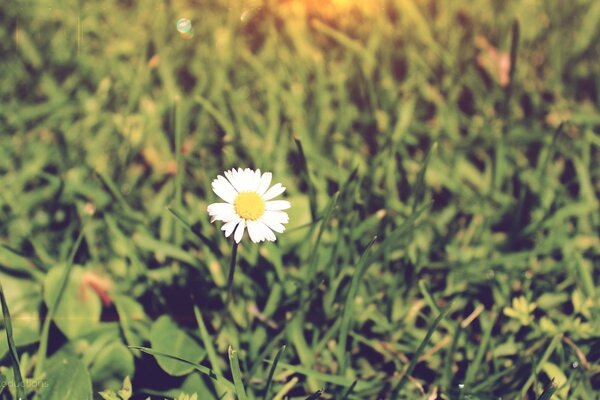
pixel 232 265
pixel 420 184
pixel 179 123
pixel 312 197
pixel 211 245
pixel 349 391
pixel 316 395
pixel 320 376
pixel 272 372
pixel 42 352
pixel 217 115
pixel 549 350
pixel 234 363
pixel 20 387
pixel 349 304
pixel 447 372
pixel 116 194
pixel 420 349
pixel 200 368
pixel 475 366
pixel 514 46
pixel 207 341
pixel 548 392
pixel 312 266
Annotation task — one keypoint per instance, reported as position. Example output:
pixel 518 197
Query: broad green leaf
pixel 167 337
pixel 66 378
pixel 129 310
pixel 80 307
pixel 112 364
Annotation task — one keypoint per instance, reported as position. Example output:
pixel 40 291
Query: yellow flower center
pixel 249 205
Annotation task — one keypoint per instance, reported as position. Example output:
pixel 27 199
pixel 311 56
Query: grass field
pixel 442 159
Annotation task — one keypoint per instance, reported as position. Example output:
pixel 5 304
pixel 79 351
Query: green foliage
pixel 464 135
pixel 167 338
pixel 66 378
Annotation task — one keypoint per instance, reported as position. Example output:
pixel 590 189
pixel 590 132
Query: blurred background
pixel 465 135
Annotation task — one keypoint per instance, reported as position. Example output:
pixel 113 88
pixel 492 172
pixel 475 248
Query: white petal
pixel 256 234
pixel 248 177
pixel 221 212
pixel 232 179
pixel 276 216
pixel 223 189
pixel 265 181
pixel 239 232
pixel 274 225
pixel 242 181
pixel 268 233
pixel 230 226
pixel 237 177
pixel 277 205
pixel 255 180
pixel 275 191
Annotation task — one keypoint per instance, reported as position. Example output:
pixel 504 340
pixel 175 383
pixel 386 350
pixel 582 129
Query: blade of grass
pixel 43 349
pixel 211 245
pixel 272 372
pixel 394 237
pixel 20 387
pixel 200 368
pixel 433 305
pixel 549 350
pixel 548 392
pixel 232 264
pixel 349 306
pixel 447 374
pixel 312 266
pixel 492 379
pixel 178 122
pixel 210 348
pixel 320 376
pixel 475 366
pixel 312 197
pixel 234 363
pixel 116 194
pixel 208 341
pixel 514 46
pixel 316 395
pixel 420 183
pixel 217 115
pixel 349 391
pixel 286 388
pixel 420 349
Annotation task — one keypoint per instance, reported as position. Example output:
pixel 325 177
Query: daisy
pixel 248 204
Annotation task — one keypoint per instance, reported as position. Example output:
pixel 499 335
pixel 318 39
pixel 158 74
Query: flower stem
pixel 231 271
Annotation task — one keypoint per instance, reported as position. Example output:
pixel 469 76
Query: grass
pixel 400 120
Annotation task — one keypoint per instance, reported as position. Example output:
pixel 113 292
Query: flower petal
pixel 274 225
pixel 268 233
pixel 228 227
pixel 248 179
pixel 255 180
pixel 275 191
pixel 239 232
pixel 277 205
pixel 276 216
pixel 255 232
pixel 223 189
pixel 265 181
pixel 233 179
pixel 221 212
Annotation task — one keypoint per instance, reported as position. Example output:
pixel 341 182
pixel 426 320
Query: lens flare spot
pixel 184 25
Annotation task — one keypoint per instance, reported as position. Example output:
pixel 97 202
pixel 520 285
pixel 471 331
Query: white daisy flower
pixel 249 205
